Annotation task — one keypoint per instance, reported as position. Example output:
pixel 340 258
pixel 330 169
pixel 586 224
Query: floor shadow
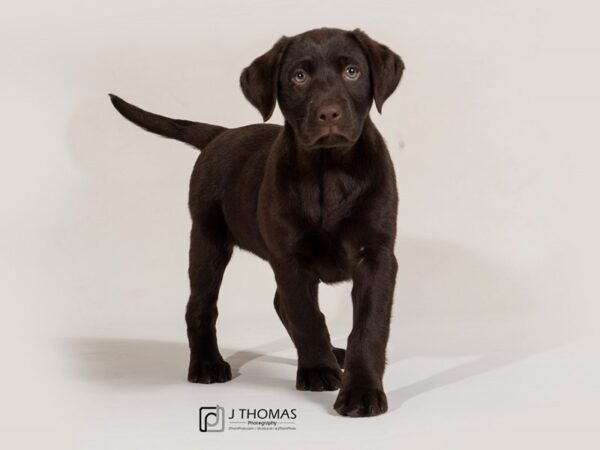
pixel 138 362
pixel 451 302
pixel 480 365
pixel 126 362
pixel 237 359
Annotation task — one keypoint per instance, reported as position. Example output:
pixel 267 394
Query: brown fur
pixel 316 198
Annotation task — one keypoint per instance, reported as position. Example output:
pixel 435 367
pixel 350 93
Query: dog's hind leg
pixel 339 353
pixel 210 251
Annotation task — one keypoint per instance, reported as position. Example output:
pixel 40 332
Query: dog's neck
pixel 327 180
pixel 340 157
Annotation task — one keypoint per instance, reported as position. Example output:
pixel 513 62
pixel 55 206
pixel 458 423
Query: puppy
pixel 316 198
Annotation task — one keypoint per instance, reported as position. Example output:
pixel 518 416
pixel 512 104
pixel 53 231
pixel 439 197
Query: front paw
pixel 361 402
pixel 318 379
pixel 209 371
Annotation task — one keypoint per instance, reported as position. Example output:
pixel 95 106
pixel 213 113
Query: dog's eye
pixel 351 73
pixel 300 76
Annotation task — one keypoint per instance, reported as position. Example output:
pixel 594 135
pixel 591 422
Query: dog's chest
pixel 326 203
pixel 327 198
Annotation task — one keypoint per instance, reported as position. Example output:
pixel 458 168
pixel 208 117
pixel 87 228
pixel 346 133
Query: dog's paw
pixel 318 379
pixel 209 372
pixel 361 402
pixel 340 355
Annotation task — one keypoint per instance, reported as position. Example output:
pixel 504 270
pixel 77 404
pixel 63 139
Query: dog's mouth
pixel 330 137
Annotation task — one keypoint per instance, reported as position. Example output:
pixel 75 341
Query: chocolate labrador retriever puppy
pixel 316 198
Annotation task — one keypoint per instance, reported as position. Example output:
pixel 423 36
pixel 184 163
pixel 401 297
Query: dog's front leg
pixel 361 392
pixel 297 291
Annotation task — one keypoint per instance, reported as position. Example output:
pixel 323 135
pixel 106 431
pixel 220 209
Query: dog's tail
pixel 194 133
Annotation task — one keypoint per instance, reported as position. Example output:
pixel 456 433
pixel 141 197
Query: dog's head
pixel 325 81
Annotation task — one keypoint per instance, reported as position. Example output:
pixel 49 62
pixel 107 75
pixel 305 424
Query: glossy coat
pixel 316 198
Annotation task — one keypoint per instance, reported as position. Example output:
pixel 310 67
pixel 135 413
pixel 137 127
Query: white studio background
pixel 493 132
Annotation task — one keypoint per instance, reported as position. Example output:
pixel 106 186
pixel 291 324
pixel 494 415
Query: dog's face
pixel 325 81
pixel 324 89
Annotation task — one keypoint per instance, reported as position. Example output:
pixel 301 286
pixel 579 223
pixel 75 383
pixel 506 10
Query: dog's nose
pixel 329 113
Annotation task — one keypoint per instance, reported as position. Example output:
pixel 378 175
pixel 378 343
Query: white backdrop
pixel 493 132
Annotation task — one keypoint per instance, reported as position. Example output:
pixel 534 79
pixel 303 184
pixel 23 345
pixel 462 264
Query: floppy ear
pixel 386 67
pixel 259 80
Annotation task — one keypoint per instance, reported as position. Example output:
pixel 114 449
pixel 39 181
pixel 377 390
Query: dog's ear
pixel 259 80
pixel 386 67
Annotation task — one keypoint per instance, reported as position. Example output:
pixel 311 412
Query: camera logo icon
pixel 212 418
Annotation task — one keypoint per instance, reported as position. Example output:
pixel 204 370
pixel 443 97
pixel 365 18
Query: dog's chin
pixel 330 140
